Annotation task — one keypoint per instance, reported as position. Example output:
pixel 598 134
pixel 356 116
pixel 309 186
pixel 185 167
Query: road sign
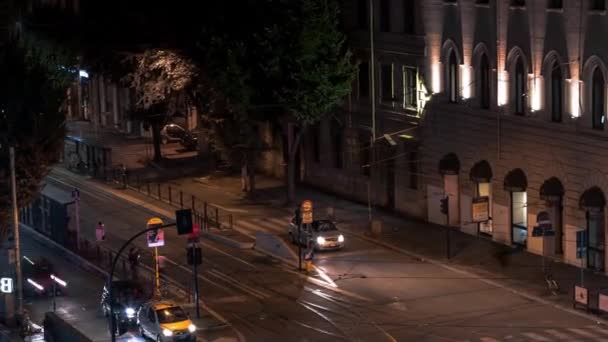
pixel 183 219
pixel 306 209
pixel 481 209
pixel 156 238
pixel 6 285
pixel 581 295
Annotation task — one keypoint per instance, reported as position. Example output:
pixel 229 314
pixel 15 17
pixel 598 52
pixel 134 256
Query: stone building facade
pixel 510 107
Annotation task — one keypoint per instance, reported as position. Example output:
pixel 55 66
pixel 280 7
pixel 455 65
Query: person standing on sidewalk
pixel 100 232
pixel 123 175
pixel 134 261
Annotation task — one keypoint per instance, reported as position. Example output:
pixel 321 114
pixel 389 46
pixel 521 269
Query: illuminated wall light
pixel 436 77
pixel 536 89
pixel 503 87
pixel 574 98
pixel 465 81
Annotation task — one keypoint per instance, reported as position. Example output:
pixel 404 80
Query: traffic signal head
pixel 444 205
pixel 183 220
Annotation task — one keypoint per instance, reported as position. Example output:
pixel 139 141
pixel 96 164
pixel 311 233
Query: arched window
pixel 519 95
pixel 597 99
pixel 556 93
pixel 452 79
pixel 484 81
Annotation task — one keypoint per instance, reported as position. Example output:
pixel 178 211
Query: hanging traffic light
pixel 445 205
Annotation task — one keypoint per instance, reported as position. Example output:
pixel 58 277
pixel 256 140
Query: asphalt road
pixel 372 294
pixel 80 302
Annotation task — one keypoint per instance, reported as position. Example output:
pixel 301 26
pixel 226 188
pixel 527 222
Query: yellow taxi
pixel 165 321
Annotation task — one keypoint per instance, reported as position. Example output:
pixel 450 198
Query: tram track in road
pixel 257 291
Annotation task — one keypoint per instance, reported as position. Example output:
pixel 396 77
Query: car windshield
pixel 171 315
pixel 323 226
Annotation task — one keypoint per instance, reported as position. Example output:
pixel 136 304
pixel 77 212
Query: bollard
pixel 158 188
pixel 170 197
pixel 181 199
pixel 217 217
pixel 205 222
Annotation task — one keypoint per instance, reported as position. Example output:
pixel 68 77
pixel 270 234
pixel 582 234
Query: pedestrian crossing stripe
pixel 271 225
pixel 536 337
pixel 586 333
pixel 582 332
pixel 557 334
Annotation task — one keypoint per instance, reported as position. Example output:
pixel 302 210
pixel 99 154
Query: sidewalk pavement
pixel 518 270
pixel 136 153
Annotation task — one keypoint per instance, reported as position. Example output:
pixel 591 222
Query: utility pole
pixel 16 234
pixel 76 198
pixel 372 65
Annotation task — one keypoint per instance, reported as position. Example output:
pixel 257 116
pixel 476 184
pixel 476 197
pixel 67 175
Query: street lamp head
pixel 59 280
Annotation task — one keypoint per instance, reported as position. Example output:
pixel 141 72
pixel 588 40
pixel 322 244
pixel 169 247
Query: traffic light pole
pixel 114 261
pixel 156 273
pixel 195 272
pixel 299 247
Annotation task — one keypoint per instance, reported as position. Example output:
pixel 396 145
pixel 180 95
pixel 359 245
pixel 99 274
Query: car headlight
pixel 320 240
pixel 340 238
pixel 130 312
pixel 167 332
pixel 192 328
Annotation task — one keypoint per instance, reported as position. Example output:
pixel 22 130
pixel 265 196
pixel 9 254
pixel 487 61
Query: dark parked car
pixel 176 133
pixel 128 297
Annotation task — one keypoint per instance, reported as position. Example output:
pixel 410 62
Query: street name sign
pixel 306 209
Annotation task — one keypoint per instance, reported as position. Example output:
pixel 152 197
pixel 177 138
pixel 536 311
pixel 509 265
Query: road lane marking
pixel 228 255
pixel 583 333
pixel 236 283
pixel 536 337
pixel 558 334
pixel 318 329
pixel 488 339
pixel 599 329
pixel 256 225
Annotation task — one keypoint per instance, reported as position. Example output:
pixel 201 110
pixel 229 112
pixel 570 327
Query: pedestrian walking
pixel 123 175
pixel 100 232
pixel 134 257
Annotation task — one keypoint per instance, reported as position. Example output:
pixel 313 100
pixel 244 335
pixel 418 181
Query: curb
pixel 227 241
pixel 524 294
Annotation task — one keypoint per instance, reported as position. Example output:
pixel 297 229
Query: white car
pixel 322 233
